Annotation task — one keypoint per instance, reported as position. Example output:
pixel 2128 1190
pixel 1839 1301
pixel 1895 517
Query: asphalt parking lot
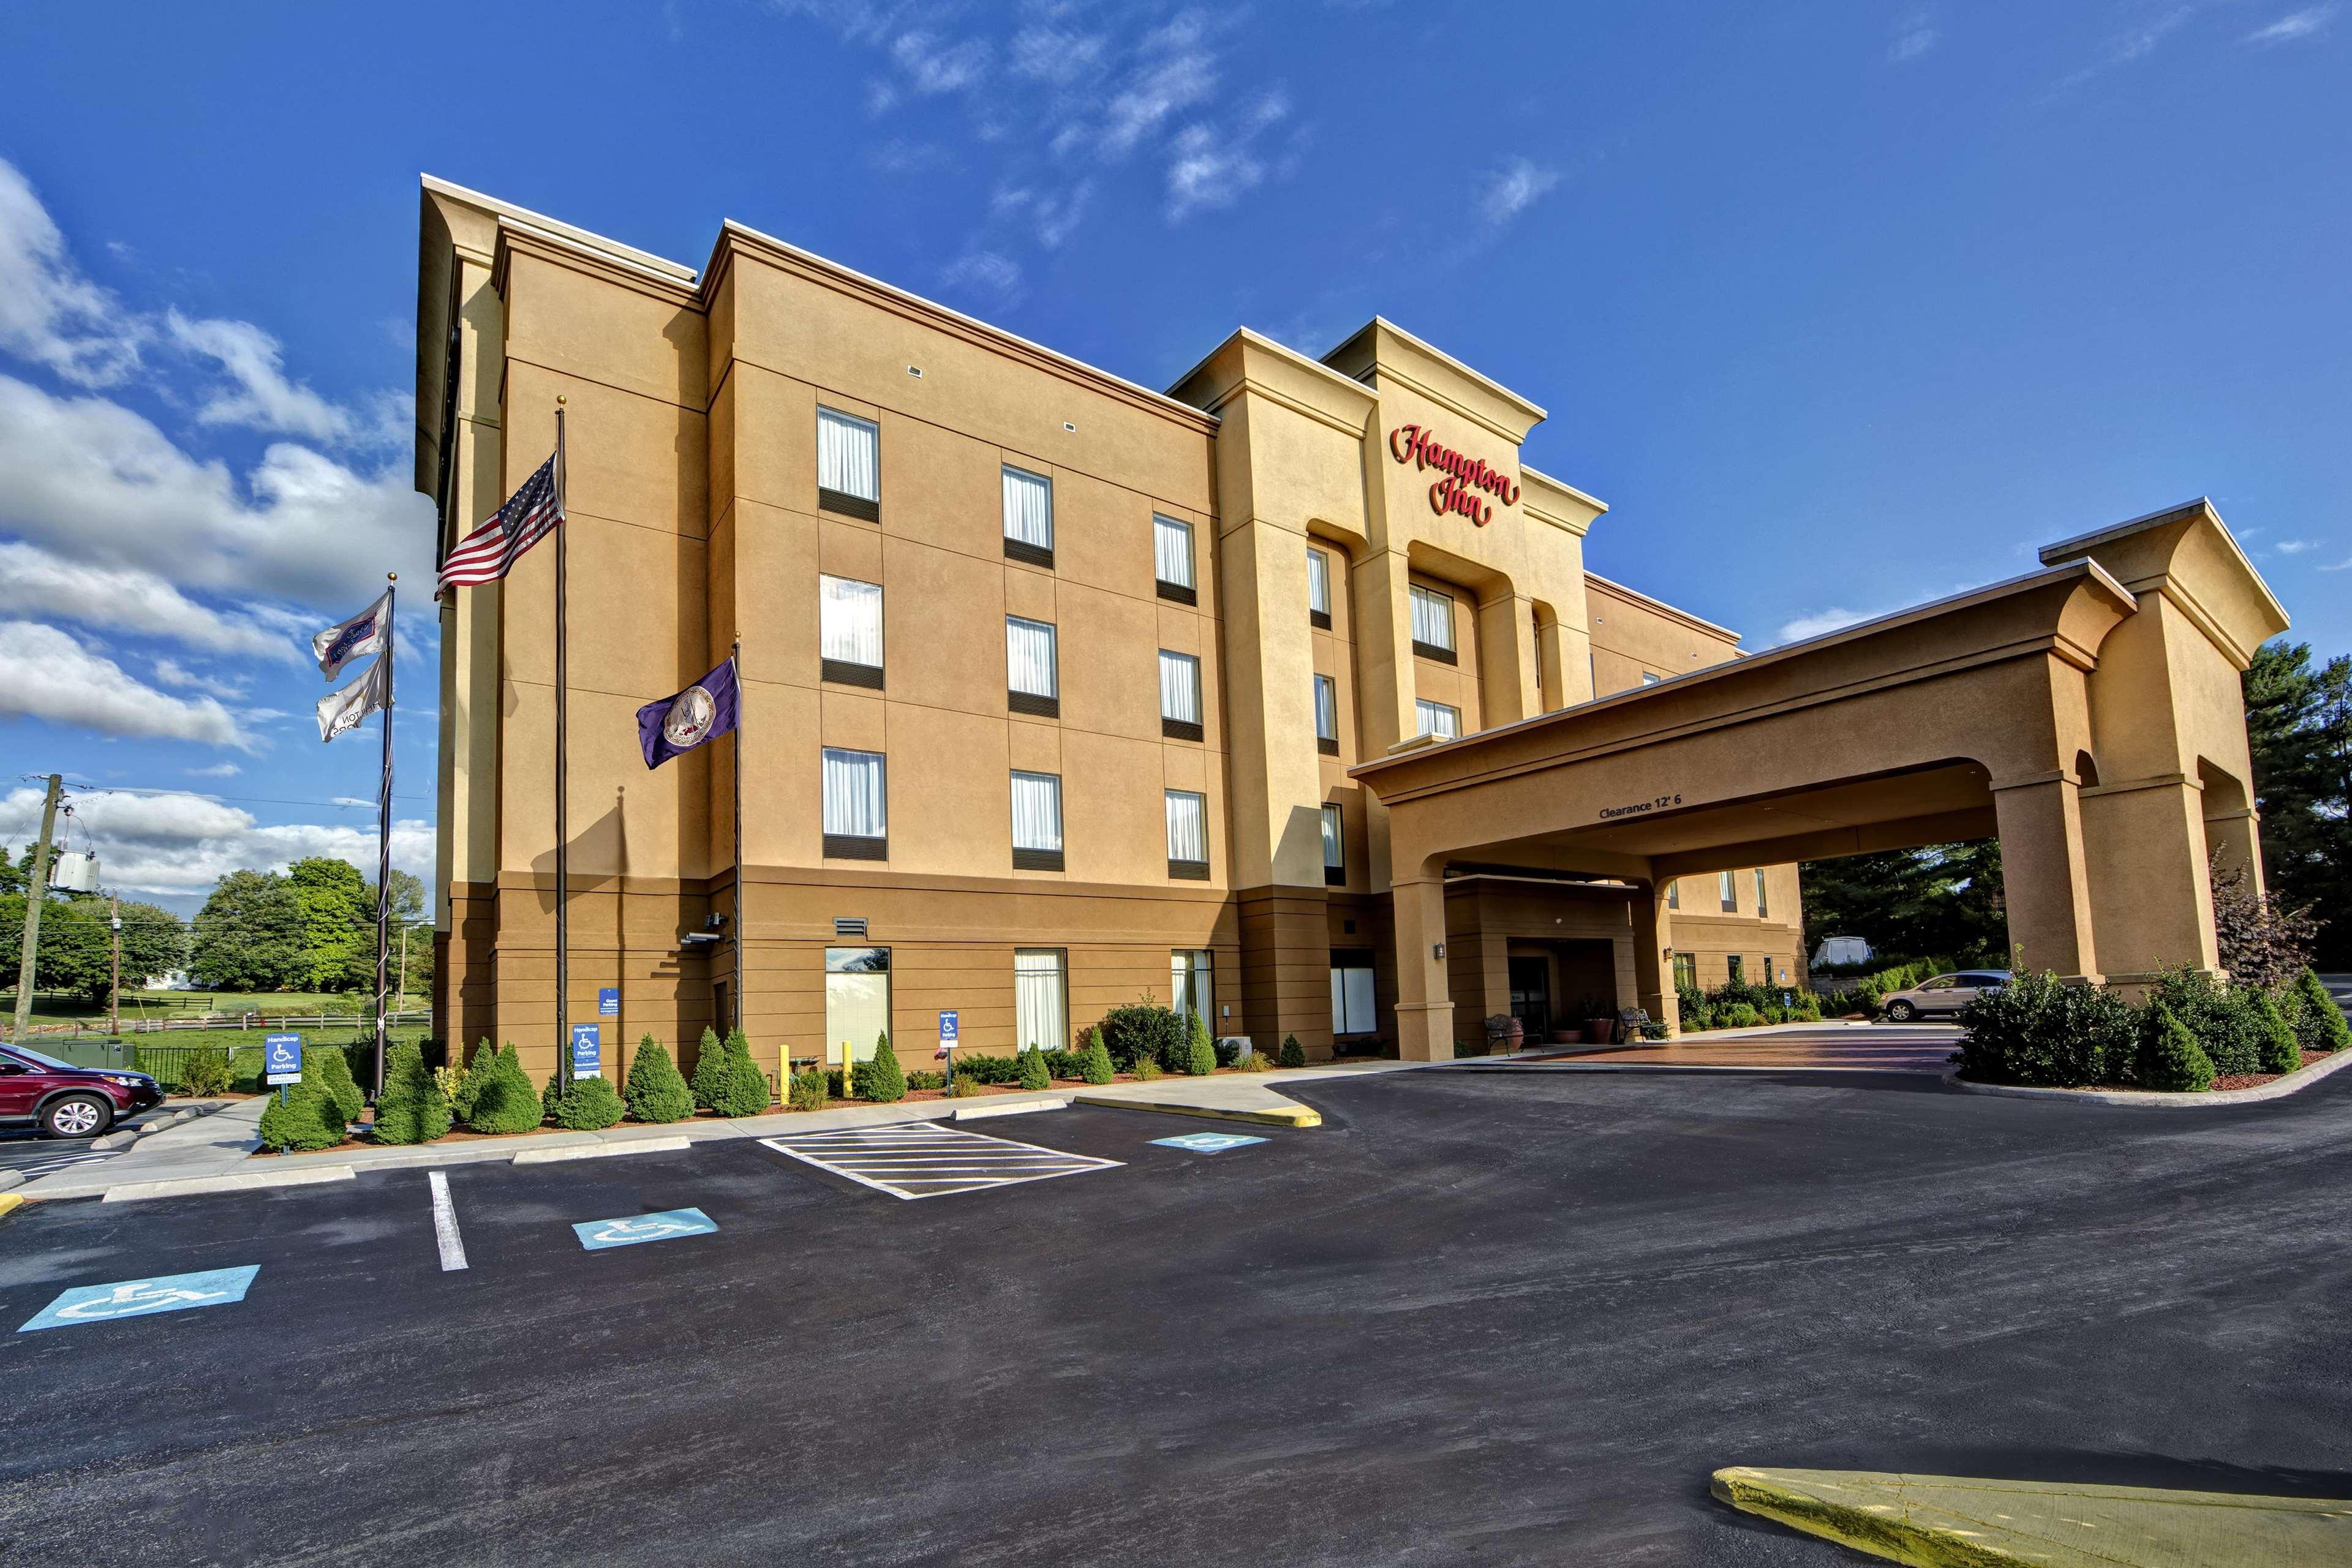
pixel 1492 1318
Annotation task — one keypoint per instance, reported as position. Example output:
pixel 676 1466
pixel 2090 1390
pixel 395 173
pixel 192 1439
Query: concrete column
pixel 1509 690
pixel 1383 609
pixel 2150 898
pixel 1424 1010
pixel 1654 971
pixel 2045 876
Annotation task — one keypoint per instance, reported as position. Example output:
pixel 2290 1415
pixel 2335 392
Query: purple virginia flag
pixel 682 723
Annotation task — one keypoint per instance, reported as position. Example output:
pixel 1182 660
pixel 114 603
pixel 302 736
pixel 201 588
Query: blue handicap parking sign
pixel 947 1029
pixel 587 1049
pixel 281 1057
pixel 138 1298
pixel 608 1001
pixel 1208 1143
pixel 598 1234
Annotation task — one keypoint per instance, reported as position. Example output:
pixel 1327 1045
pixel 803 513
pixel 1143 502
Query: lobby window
pixel 1731 966
pixel 856 1002
pixel 1032 682
pixel 1041 1002
pixel 1437 719
pixel 1036 822
pixel 1318 588
pixel 1729 891
pixel 1352 992
pixel 849 632
pixel 1188 835
pixel 1433 625
pixel 1028 516
pixel 1762 908
pixel 1685 971
pixel 856 807
pixel 1180 696
pixel 848 465
pixel 1171 560
pixel 1326 715
pixel 1335 864
pixel 1190 988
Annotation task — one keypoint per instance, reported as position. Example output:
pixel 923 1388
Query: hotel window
pixel 1335 865
pixel 1685 971
pixel 1028 516
pixel 1326 715
pixel 1318 589
pixel 1352 992
pixel 856 807
pixel 1030 681
pixel 848 465
pixel 1674 895
pixel 1762 908
pixel 856 1002
pixel 1180 696
pixel 1433 625
pixel 1036 822
pixel 1188 835
pixel 1041 1006
pixel 1171 560
pixel 1190 986
pixel 1729 891
pixel 1731 964
pixel 1438 720
pixel 849 632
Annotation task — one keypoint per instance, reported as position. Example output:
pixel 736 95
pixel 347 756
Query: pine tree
pixel 711 1071
pixel 1199 1052
pixel 589 1105
pixel 496 1095
pixel 2319 1023
pixel 335 1079
pixel 1033 1070
pixel 2173 1060
pixel 884 1079
pixel 743 1091
pixel 1293 1054
pixel 308 1119
pixel 656 1091
pixel 411 1108
pixel 2280 1052
pixel 1093 1058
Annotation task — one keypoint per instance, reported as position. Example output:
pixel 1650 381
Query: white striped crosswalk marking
pixel 924 1160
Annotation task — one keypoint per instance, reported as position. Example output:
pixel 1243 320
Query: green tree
pixel 588 1106
pixel 496 1095
pixel 2299 728
pixel 882 1078
pixel 1200 1051
pixel 1943 900
pixel 411 1110
pixel 710 1073
pixel 2171 1060
pixel 337 922
pixel 2319 1024
pixel 308 1117
pixel 330 1069
pixel 1093 1058
pixel 1293 1055
pixel 248 936
pixel 1033 1070
pixel 655 1091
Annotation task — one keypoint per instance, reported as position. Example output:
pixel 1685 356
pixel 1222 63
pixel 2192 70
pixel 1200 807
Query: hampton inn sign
pixel 1464 475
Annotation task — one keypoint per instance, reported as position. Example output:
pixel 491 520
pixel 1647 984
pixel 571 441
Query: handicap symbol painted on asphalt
pixel 627 1231
pixel 138 1298
pixel 1208 1143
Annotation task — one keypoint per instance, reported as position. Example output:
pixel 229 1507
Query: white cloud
pixel 1913 36
pixel 45 674
pixel 1049 55
pixel 935 66
pixel 2295 25
pixel 260 396
pixel 121 598
pixel 1823 622
pixel 172 673
pixel 2343 565
pixel 2297 546
pixel 1177 74
pixel 1214 168
pixel 983 270
pixel 217 771
pixel 49 313
pixel 183 843
pixel 1514 187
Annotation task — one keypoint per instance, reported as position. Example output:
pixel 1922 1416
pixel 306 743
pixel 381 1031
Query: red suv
pixel 68 1102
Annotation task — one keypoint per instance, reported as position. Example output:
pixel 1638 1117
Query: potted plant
pixel 1600 1021
pixel 1567 1035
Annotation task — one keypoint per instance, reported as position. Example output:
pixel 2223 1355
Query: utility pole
pixel 37 891
pixel 114 995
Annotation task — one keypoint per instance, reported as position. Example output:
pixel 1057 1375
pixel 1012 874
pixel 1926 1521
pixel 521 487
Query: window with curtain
pixel 1437 719
pixel 1030 680
pixel 856 814
pixel 1727 890
pixel 1732 964
pixel 849 631
pixel 1433 623
pixel 1334 868
pixel 1352 992
pixel 1036 822
pixel 1762 907
pixel 1674 895
pixel 1171 558
pixel 1188 834
pixel 1685 971
pixel 848 463
pixel 1180 696
pixel 1326 715
pixel 1190 986
pixel 1041 1013
pixel 1318 588
pixel 1028 516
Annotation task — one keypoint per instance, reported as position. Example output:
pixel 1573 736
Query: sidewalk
pixel 212 1153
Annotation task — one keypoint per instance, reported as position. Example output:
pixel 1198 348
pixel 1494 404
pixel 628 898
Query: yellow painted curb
pixel 1955 1521
pixel 10 1202
pixel 1290 1116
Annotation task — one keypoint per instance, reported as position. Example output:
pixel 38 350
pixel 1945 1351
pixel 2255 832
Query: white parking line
pixel 444 1224
pixel 928 1161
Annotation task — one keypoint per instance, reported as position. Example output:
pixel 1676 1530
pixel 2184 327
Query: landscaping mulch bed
pixel 2256 1079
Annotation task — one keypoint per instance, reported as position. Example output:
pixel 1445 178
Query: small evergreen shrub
pixel 1144 1029
pixel 656 1090
pixel 2281 1053
pixel 308 1119
pixel 1033 1070
pixel 1094 1062
pixel 2171 1059
pixel 809 1091
pixel 924 1078
pixel 1199 1054
pixel 496 1095
pixel 206 1072
pixel 1229 1053
pixel 589 1105
pixel 883 1079
pixel 2221 1019
pixel 743 1089
pixel 1145 1069
pixel 335 1078
pixel 710 1074
pixel 1294 1055
pixel 2037 1031
pixel 2319 1024
pixel 1742 1016
pixel 411 1108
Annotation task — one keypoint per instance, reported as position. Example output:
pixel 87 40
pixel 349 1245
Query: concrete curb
pixel 10 1202
pixel 600 1150
pixel 2303 1078
pixel 1290 1116
pixel 242 1181
pixel 1020 1108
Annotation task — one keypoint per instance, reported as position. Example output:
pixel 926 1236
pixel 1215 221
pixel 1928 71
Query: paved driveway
pixel 1886 1047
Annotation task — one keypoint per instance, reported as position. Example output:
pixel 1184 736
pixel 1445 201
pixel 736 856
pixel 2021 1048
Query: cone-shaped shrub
pixel 411 1108
pixel 2319 1024
pixel 308 1119
pixel 2171 1059
pixel 1093 1058
pixel 1033 1070
pixel 496 1095
pixel 711 1071
pixel 588 1105
pixel 1293 1055
pixel 2281 1053
pixel 480 1066
pixel 743 1091
pixel 883 1080
pixel 334 1076
pixel 1200 1051
pixel 656 1090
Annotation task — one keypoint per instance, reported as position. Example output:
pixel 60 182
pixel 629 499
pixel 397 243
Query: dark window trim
pixel 1030 554
pixel 1176 591
pixel 1177 730
pixel 850 847
pixel 840 672
pixel 1327 744
pixel 1030 702
pixel 1036 859
pixel 1335 876
pixel 1189 870
pixel 846 505
pixel 1431 650
pixel 1319 619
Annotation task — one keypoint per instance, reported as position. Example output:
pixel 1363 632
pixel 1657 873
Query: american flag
pixel 490 552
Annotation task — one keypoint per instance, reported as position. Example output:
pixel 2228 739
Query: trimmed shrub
pixel 1742 1016
pixel 743 1088
pixel 335 1078
pixel 1145 1069
pixel 1143 1029
pixel 411 1110
pixel 1093 1060
pixel 2319 1024
pixel 206 1072
pixel 1200 1053
pixel 881 1079
pixel 809 1091
pixel 589 1105
pixel 2171 1059
pixel 2281 1053
pixel 1294 1055
pixel 1229 1053
pixel 2223 1020
pixel 1033 1070
pixel 308 1119
pixel 2037 1031
pixel 656 1090
pixel 709 1080
pixel 962 1085
pixel 496 1095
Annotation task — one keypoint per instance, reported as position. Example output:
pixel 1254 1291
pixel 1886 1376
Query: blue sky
pixel 1840 307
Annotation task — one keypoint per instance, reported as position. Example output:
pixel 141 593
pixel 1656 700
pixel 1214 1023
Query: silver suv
pixel 1944 993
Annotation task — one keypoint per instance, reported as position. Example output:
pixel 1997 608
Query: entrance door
pixel 856 1002
pixel 1531 994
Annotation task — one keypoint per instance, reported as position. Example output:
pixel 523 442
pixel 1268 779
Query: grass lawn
pixel 356 1006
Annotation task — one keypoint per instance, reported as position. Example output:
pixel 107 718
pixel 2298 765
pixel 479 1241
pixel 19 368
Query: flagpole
pixel 383 835
pixel 735 667
pixel 563 780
